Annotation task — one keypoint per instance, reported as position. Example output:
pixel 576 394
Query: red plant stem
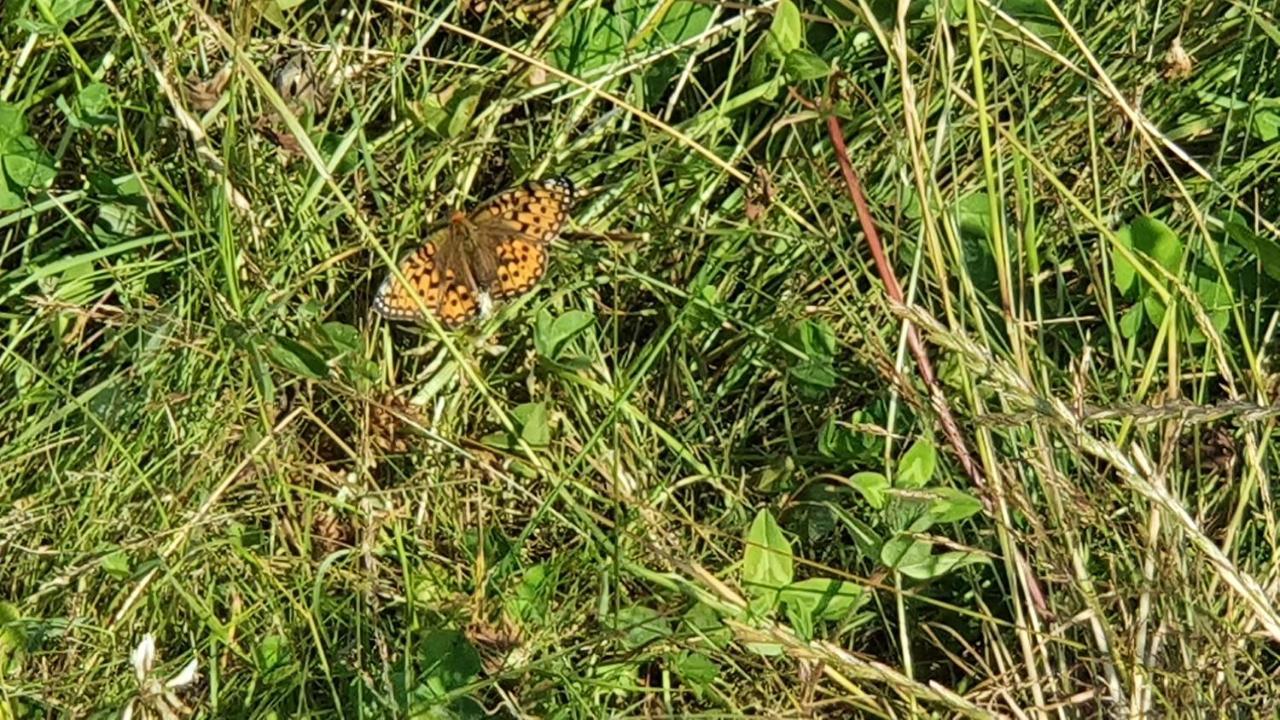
pixel 936 397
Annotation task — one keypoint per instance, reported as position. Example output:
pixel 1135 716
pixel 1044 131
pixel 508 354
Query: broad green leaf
pixel 825 598
pixel 934 566
pixel 530 600
pixel 341 337
pixel 1264 248
pixel 116 564
pixel 91 107
pixel 9 200
pixel 1131 321
pixel 271 653
pixel 552 335
pixel 767 563
pixel 816 374
pixel 951 505
pixel 872 485
pixel 12 124
pixel 448 660
pixel 64 11
pixel 787 29
pixel 704 623
pixel 1216 302
pixel 27 164
pixel 13 640
pixel 639 626
pixel 590 37
pixel 297 358
pixel 804 65
pixel 973 215
pixel 684 19
pixel 904 549
pixel 1152 238
pixel 696 670
pixel 1266 125
pixel 464 108
pixel 532 418
pixel 916 467
pixel 915 559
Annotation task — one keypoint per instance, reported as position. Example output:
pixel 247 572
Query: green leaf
pixel 1216 302
pixel 64 11
pixel 837 442
pixel 9 200
pixel 825 598
pixel 915 559
pixel 296 358
pixel 551 336
pixel 13 640
pixel 12 124
pixel 703 621
pixel 272 654
pixel 787 29
pixel 341 337
pixel 91 107
pixel 934 566
pixel 1264 248
pixel 640 626
pixel 696 670
pixel 904 549
pixel 804 65
pixel 916 467
pixel 329 144
pixel 464 108
pixel 1150 237
pixel 1266 125
pixel 973 215
pixel 533 423
pixel 684 19
pixel 952 505
pixel 27 164
pixel 448 660
pixel 865 538
pixel 590 37
pixel 767 562
pixel 116 564
pixel 531 598
pixel 872 485
pixel 1131 321
pixel 816 374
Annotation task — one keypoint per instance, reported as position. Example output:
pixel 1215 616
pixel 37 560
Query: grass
pixel 713 465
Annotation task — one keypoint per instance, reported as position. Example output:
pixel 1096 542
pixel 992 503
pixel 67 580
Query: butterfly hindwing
pixel 500 249
pixel 521 264
pixel 421 270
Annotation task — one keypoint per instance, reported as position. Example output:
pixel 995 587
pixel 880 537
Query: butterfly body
pixel 497 251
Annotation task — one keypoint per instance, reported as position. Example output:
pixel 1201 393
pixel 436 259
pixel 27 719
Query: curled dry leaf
pixel 1177 63
pixel 267 126
pixel 295 78
pixel 760 194
pixel 204 94
pixel 494 642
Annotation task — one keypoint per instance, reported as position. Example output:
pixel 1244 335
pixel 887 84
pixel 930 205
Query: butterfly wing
pixel 513 231
pixel 442 290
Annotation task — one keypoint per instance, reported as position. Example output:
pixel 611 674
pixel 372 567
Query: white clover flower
pixel 155 696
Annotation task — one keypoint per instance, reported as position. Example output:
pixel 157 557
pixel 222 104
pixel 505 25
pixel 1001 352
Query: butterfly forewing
pixel 499 250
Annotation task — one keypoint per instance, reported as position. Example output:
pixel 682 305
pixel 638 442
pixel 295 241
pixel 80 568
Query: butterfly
pixel 497 251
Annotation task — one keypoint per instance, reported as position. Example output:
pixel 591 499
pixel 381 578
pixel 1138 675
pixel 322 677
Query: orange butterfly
pixel 499 250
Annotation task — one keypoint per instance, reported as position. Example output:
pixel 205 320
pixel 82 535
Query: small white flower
pixel 156 697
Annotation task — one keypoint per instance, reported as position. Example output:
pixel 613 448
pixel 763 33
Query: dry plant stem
pixel 936 398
